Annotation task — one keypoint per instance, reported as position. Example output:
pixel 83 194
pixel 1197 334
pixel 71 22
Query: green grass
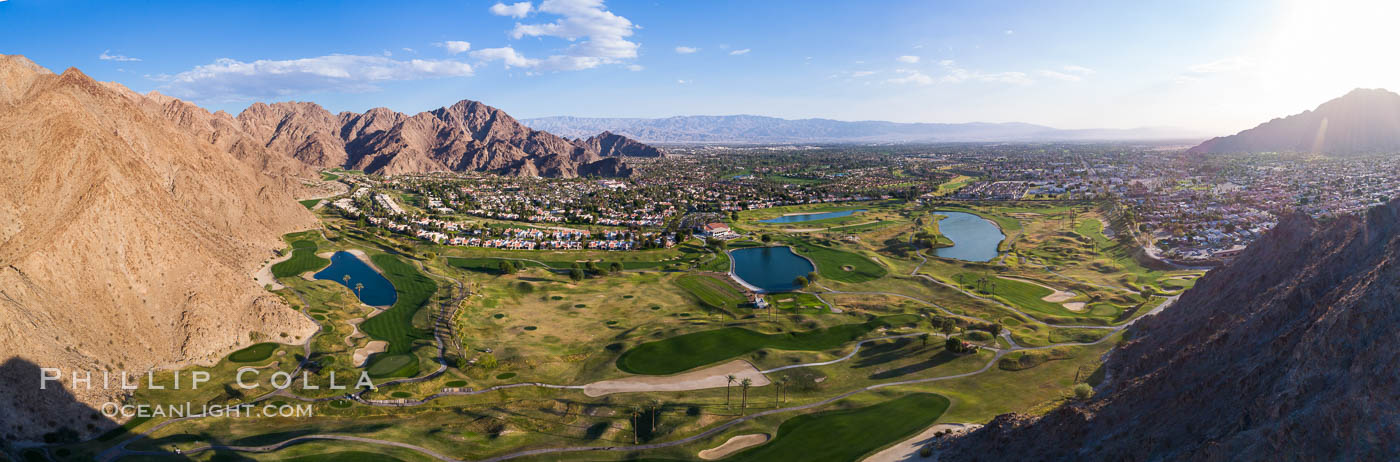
pixel 711 292
pixel 849 434
pixel 832 263
pixel 719 264
pixel 329 176
pixel 395 325
pixel 393 366
pixel 253 353
pixel 309 203
pixel 685 352
pixel 801 303
pixel 344 456
pixel 303 259
pixel 860 228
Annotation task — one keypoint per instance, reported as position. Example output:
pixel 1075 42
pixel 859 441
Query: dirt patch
pixel 710 377
pixel 362 354
pixel 1074 306
pixel 735 444
pixel 847 268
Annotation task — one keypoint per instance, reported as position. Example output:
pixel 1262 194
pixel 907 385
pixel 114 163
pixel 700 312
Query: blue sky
pixel 1206 65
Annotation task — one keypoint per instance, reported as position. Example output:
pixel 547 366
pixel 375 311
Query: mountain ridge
pixel 466 136
pixel 1363 121
pixel 127 242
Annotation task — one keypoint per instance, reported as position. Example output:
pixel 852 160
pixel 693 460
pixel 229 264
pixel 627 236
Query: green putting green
pixel 685 352
pixel 303 259
pixel 849 434
pixel 393 366
pixel 253 353
pixel 833 264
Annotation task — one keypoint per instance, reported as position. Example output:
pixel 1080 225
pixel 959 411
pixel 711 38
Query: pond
pixel 769 269
pixel 377 291
pixel 974 238
pixel 801 217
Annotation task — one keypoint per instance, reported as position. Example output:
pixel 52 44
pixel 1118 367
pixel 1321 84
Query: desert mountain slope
pixel 466 136
pixel 126 241
pixel 1364 121
pixel 1288 352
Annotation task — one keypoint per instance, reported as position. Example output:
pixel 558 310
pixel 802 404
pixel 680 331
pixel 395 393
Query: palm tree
pixel 655 413
pixel 745 400
pixel 358 288
pixel 784 382
pixel 731 380
pixel 346 278
pixel 635 413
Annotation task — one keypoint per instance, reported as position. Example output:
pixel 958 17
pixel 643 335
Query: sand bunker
pixel 264 276
pixel 362 354
pixel 354 331
pixel 909 448
pixel 735 444
pixel 1074 306
pixel 710 377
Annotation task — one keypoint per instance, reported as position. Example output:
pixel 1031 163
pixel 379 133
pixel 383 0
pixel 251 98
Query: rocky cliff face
pixel 1286 353
pixel 467 136
pixel 128 235
pixel 1364 121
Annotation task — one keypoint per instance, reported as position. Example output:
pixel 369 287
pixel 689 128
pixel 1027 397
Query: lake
pixel 377 290
pixel 974 238
pixel 810 216
pixel 770 269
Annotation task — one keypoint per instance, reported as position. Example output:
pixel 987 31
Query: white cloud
pixel 107 56
pixel 454 46
pixel 506 55
pixel 740 52
pixel 1231 64
pixel 600 36
pixel 908 59
pixel 1009 32
pixel 911 76
pixel 859 74
pixel 227 80
pixel 686 50
pixel 957 74
pixel 683 82
pixel 410 50
pixel 514 10
pixel 635 67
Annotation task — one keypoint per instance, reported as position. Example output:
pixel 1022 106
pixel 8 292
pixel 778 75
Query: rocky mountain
pixel 1364 121
pixel 128 236
pixel 735 129
pixel 467 136
pixel 1286 353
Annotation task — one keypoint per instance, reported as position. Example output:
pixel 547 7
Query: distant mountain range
pixel 1364 121
pixel 737 129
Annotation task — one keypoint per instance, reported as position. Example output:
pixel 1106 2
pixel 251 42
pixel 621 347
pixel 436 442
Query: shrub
pixel 1083 391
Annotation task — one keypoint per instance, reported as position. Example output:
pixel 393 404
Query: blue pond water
pixel 377 290
pixel 810 216
pixel 974 238
pixel 771 269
